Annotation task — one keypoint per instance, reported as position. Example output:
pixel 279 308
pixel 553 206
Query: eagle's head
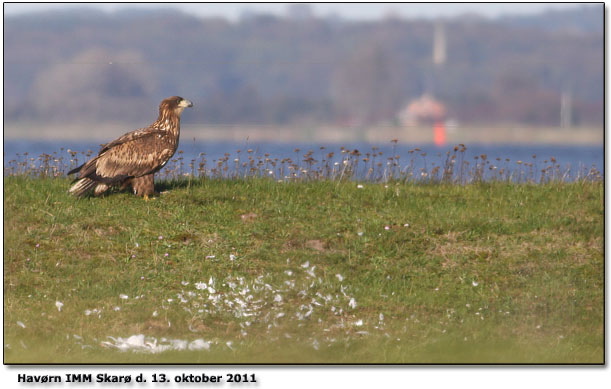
pixel 175 104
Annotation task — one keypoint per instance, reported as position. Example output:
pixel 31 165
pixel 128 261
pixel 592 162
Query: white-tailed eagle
pixel 133 159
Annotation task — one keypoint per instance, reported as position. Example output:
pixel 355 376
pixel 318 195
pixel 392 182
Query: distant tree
pixel 95 84
pixel 520 97
pixel 367 85
pixel 270 69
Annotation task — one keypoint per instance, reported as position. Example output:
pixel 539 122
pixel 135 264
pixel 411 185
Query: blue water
pixel 574 159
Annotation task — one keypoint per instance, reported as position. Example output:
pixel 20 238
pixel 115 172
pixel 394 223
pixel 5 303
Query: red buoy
pixel 439 134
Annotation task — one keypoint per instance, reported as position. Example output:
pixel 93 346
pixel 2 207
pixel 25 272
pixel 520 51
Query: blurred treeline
pixel 86 65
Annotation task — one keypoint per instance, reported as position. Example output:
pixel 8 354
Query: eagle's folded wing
pixel 130 136
pixel 139 155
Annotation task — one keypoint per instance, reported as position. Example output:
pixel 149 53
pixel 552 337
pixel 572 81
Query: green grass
pixel 484 273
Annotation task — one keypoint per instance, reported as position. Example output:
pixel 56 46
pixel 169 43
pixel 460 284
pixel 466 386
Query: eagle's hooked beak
pixel 185 103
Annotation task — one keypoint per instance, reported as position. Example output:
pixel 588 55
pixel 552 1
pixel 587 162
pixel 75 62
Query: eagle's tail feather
pixel 76 169
pixel 82 186
pixel 99 189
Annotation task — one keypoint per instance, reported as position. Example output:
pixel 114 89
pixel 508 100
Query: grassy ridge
pixel 306 272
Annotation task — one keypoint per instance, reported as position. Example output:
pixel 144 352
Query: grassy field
pixel 257 271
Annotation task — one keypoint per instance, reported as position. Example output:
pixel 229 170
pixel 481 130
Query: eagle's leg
pixel 126 184
pixel 144 186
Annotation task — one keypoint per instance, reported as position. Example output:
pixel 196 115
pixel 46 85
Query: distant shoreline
pixel 495 134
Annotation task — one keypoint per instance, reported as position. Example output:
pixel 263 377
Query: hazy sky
pixel 348 11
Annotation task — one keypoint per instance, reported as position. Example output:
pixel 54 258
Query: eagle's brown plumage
pixel 135 157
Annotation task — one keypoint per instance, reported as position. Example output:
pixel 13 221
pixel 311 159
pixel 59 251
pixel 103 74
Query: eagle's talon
pixel 151 196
